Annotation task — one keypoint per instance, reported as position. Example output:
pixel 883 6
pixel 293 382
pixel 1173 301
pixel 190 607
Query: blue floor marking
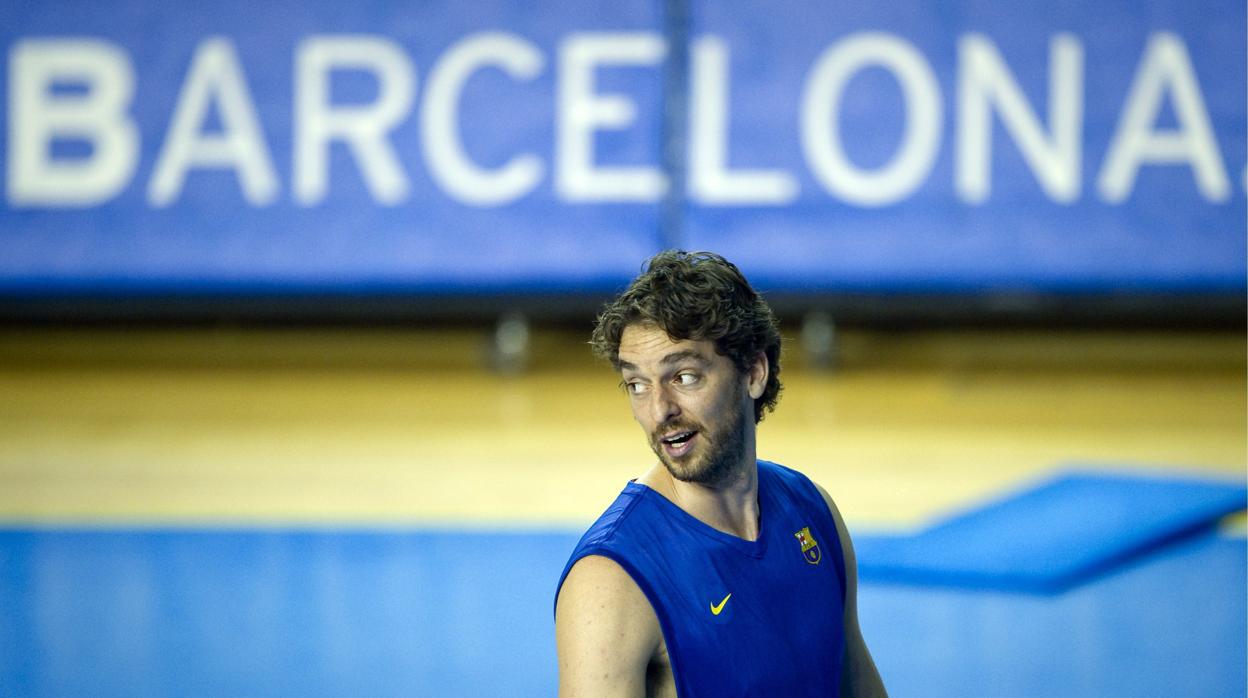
pixel 442 613
pixel 211 613
pixel 1169 624
pixel 1054 535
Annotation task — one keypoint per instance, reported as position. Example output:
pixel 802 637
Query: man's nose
pixel 663 406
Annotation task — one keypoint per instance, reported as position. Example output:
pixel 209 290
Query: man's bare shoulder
pixel 597 575
pixel 606 631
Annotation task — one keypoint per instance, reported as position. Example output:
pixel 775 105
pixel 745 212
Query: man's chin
pixel 683 474
pixel 688 468
pixel 696 471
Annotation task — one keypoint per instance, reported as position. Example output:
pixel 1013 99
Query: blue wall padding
pixel 1054 535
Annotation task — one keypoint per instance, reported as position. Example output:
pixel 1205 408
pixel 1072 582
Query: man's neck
pixel 730 506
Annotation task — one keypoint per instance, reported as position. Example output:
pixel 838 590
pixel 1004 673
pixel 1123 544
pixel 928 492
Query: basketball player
pixel 714 573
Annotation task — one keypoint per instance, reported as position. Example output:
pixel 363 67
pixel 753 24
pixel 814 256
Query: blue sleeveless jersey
pixel 740 618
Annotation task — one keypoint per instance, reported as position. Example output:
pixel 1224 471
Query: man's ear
pixel 756 377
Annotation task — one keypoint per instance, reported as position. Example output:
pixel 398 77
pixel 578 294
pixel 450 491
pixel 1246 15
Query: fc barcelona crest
pixel 810 546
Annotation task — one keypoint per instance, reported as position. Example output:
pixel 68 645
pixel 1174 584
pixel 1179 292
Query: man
pixel 713 574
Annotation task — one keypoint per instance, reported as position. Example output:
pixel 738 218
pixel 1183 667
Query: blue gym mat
pixel 1054 535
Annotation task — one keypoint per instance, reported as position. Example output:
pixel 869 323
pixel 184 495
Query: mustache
pixel 676 425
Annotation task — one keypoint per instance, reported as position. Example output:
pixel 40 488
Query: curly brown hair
pixel 699 296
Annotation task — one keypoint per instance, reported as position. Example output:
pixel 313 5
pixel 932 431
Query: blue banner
pixel 422 147
pixel 970 145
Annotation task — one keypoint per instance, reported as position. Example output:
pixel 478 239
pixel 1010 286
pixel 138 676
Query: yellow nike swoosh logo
pixel 715 609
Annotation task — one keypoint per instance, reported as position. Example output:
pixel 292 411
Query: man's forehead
pixel 643 343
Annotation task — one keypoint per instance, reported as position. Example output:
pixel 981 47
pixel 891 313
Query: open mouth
pixel 679 443
pixel 680 438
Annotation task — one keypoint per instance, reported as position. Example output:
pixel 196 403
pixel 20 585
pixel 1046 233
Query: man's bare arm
pixel 859 677
pixel 606 632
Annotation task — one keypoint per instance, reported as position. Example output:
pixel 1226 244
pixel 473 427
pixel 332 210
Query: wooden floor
pixel 385 427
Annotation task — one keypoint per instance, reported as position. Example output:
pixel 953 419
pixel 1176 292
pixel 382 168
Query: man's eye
pixel 687 378
pixel 634 388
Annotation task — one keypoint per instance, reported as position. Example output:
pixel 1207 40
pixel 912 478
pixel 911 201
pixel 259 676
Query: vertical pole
pixel 509 348
pixel 819 340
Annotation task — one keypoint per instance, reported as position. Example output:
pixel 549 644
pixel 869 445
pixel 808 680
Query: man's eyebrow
pixel 674 357
pixel 678 356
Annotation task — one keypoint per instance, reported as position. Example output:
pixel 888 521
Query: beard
pixel 715 461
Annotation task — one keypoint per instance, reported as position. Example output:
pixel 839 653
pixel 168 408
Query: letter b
pixel 38 117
